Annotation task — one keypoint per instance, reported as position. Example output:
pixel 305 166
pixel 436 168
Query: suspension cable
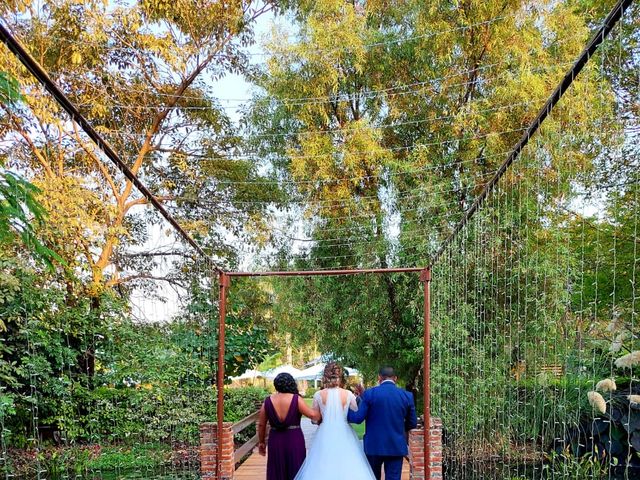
pixel 41 75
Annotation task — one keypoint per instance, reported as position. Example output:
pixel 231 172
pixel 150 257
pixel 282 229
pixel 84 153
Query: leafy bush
pixel 146 456
pixel 140 428
pixel 167 414
pixel 566 464
pixel 240 402
pixel 310 392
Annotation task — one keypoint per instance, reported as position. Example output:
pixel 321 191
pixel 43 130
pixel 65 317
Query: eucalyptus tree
pixel 384 121
pixel 143 73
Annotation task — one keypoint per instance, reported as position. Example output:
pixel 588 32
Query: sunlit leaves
pixel 9 89
pixel 141 73
pixel 402 113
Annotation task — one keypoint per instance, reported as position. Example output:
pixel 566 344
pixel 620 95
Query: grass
pixel 131 457
pixel 359 429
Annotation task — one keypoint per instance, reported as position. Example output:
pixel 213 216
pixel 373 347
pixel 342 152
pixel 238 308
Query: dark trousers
pixel 392 466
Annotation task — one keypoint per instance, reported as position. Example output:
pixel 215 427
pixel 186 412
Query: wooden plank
pixel 255 468
pixel 245 422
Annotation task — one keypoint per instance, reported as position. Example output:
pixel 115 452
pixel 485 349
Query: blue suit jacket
pixel 390 413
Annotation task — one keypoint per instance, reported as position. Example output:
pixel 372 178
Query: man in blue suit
pixel 390 413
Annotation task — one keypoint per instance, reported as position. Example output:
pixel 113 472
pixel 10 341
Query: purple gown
pixel 286 448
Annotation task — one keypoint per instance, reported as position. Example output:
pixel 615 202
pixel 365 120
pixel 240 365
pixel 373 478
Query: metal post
pixel 425 278
pixel 225 281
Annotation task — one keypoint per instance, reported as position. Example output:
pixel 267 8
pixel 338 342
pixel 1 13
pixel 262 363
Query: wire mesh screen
pixel 107 389
pixel 535 338
pixel 535 345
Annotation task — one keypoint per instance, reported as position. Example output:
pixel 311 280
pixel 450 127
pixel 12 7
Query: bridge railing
pixel 229 454
pixel 250 444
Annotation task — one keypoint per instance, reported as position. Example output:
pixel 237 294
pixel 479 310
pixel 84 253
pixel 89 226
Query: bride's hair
pixel 333 375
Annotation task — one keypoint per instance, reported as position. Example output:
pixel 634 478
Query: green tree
pixel 19 209
pixel 141 74
pixel 383 118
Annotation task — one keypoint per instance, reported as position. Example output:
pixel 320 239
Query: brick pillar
pixel 416 452
pixel 209 451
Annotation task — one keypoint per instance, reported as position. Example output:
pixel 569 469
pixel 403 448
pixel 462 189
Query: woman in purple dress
pixel 283 411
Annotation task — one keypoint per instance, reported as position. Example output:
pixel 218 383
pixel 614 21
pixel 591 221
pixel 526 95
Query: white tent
pixel 311 373
pixel 249 374
pixel 274 372
pixel 315 372
pixel 353 372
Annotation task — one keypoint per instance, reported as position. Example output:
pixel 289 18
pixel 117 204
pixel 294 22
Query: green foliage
pixel 147 382
pixel 310 392
pixel 59 462
pixel 419 75
pixel 422 101
pixel 586 466
pixel 9 89
pixel 136 428
pixel 48 332
pixel 240 402
pixel 366 324
pixel 20 212
pixel 143 457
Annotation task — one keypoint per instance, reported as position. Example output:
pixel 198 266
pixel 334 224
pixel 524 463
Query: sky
pixel 145 308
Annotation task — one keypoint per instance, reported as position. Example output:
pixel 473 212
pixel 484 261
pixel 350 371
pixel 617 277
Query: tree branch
pixel 101 166
pixel 171 253
pixel 184 85
pixel 34 149
pixel 144 276
pixel 145 201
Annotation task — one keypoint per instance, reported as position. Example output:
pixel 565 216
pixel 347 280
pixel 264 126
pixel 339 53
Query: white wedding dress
pixel 336 452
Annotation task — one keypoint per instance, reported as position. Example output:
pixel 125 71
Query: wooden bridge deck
pixel 255 467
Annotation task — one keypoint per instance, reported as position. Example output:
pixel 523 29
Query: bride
pixel 336 451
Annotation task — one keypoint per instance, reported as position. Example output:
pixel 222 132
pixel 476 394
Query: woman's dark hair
pixel 285 383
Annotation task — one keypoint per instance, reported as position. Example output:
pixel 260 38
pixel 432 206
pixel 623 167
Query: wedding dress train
pixel 336 452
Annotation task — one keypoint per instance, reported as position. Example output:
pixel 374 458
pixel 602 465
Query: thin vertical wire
pixel 520 410
pixel 530 403
pixel 512 455
pixel 458 392
pixel 477 322
pixel 464 322
pixel 580 363
pixel 539 301
pixel 567 377
pixel 633 313
pixel 634 296
pixel 615 314
pixel 493 333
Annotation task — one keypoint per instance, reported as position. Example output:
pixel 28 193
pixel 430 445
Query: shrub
pixel 132 457
pixel 311 392
pixel 139 428
pixel 165 414
pixel 240 402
